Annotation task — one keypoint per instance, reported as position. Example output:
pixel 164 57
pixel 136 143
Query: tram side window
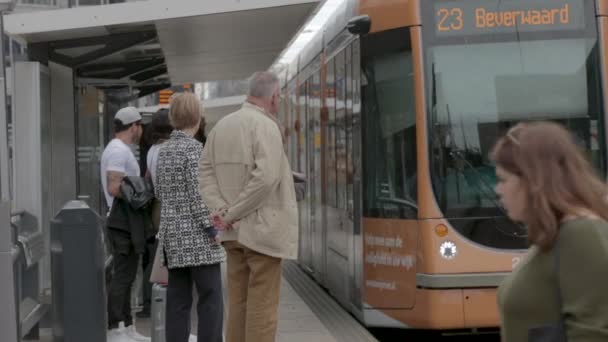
pixel 295 136
pixel 330 143
pixel 302 129
pixel 314 139
pixel 389 129
pixel 283 116
pixel 340 129
pixel 348 123
pixel 293 133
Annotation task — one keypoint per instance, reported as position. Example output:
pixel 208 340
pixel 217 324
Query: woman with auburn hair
pixel 558 290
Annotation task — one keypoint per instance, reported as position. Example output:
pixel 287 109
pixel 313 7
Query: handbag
pixel 555 331
pixel 160 273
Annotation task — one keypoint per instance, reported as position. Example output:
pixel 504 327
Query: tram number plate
pixel 494 16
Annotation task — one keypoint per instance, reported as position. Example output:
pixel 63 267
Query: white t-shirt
pixel 118 157
pixel 152 161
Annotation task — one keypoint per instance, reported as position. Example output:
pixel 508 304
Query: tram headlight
pixel 441 230
pixel 448 250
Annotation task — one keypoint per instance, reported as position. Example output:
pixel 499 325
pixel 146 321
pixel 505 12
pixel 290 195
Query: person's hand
pixel 219 223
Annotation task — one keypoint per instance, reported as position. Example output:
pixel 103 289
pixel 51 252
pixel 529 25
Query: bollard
pixel 78 275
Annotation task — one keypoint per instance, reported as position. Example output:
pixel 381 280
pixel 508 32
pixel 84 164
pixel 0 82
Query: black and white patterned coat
pixel 184 217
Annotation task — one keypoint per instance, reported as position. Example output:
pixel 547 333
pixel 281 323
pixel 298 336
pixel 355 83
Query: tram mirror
pixel 359 25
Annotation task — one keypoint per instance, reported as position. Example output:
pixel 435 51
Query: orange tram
pixel 391 111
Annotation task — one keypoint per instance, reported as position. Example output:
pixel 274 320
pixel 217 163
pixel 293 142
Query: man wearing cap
pixel 117 162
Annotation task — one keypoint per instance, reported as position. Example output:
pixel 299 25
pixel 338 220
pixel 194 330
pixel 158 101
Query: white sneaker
pixel 192 338
pixel 119 335
pixel 132 333
pixel 115 335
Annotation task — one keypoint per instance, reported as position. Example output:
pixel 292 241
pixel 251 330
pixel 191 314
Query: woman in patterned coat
pixel 186 232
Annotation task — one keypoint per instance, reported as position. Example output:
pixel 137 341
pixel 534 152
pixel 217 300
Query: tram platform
pixel 306 313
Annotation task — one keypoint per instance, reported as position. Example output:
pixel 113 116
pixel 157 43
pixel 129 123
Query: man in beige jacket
pixel 245 176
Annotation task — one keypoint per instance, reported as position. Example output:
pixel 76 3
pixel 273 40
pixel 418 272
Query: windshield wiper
pixel 488 191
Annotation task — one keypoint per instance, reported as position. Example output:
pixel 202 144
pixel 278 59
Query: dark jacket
pixel 133 217
pixel 137 191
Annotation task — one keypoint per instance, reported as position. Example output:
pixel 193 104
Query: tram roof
pixel 152 44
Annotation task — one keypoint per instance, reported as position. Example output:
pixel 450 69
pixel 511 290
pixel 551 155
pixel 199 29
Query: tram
pixel 391 111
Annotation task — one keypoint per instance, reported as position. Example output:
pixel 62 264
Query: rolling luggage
pixel 158 314
pixel 158 309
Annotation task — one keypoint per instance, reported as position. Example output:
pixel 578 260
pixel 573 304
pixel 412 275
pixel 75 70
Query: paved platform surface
pixel 297 322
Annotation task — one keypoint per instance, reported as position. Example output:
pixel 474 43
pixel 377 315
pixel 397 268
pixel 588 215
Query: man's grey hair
pixel 263 84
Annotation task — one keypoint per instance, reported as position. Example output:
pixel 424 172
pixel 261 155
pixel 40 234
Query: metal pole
pixel 4 160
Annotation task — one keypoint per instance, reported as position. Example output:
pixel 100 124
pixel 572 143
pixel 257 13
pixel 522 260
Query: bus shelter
pixel 81 65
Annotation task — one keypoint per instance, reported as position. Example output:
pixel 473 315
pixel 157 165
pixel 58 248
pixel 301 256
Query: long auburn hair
pixel 554 172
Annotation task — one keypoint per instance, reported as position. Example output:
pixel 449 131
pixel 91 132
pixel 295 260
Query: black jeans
pixel 124 266
pixel 210 307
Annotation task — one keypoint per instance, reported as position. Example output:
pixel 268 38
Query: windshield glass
pixel 477 91
pixel 481 90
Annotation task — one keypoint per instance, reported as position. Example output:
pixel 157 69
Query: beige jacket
pixel 244 168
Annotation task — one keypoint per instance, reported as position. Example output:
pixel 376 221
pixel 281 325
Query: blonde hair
pixel 557 178
pixel 185 111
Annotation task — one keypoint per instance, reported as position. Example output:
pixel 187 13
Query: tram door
pixel 316 179
pixel 356 261
pixel 339 166
pixel 305 250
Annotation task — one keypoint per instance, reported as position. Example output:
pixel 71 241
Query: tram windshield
pixel 476 91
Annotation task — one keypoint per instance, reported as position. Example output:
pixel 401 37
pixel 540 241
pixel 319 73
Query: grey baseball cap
pixel 128 115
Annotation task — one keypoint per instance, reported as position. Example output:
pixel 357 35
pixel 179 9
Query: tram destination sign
pixel 477 17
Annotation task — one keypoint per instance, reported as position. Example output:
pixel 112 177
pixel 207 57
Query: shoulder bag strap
pixel 556 264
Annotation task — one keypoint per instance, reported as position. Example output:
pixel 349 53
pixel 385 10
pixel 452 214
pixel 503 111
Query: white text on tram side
pixel 386 259
pixel 375 240
pixel 381 285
